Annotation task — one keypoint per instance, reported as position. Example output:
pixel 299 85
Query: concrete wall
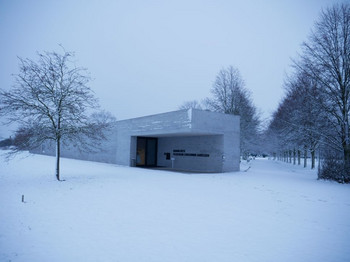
pixel 195 131
pixel 198 133
pixel 104 153
pixel 166 123
pixel 229 126
pixel 194 153
pixel 161 124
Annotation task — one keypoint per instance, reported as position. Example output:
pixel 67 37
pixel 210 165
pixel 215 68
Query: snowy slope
pixel 102 212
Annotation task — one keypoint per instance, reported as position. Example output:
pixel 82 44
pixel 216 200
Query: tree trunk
pixel 305 157
pixel 319 160
pixel 345 129
pixel 312 159
pixel 299 153
pixel 58 154
pixel 294 156
pixel 347 160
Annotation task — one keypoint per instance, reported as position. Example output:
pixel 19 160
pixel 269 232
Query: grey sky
pixel 148 57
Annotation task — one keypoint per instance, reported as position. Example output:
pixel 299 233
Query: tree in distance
pixel 190 104
pixel 51 101
pixel 229 96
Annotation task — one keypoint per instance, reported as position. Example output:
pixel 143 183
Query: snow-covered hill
pixel 102 212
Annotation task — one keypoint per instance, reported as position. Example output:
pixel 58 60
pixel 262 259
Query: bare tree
pixel 299 124
pixel 281 135
pixel 50 100
pixel 229 96
pixel 227 92
pixel 326 59
pixel 191 104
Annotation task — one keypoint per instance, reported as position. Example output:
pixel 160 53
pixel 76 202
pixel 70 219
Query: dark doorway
pixel 146 152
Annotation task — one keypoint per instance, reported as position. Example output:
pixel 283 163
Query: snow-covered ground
pixel 273 212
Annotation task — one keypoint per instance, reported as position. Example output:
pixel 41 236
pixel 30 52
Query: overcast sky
pixel 148 57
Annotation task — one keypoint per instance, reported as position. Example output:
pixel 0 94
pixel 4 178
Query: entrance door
pixel 146 151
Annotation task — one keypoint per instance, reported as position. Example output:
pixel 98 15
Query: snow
pixel 273 212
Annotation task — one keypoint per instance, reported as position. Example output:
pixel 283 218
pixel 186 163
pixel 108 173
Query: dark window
pixel 167 156
pixel 146 151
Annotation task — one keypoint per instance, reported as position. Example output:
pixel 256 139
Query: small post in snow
pixel 172 162
pixel 23 199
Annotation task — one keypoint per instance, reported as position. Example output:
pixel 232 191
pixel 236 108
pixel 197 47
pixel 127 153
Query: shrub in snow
pixel 333 168
pixel 6 143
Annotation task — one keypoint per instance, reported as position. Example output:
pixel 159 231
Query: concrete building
pixel 187 140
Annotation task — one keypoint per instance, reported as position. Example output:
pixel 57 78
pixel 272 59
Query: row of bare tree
pixel 314 114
